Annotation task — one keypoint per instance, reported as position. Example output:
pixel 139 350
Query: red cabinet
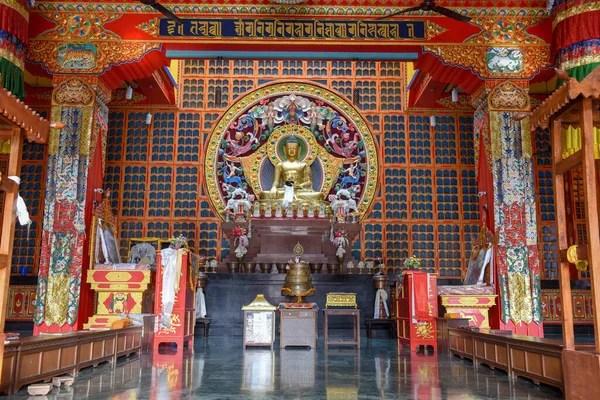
pixel 181 329
pixel 416 310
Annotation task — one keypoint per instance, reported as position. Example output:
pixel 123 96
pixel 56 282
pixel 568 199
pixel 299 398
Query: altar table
pixel 355 326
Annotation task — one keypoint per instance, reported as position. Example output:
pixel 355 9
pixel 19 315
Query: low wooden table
pixel 390 323
pixel 356 325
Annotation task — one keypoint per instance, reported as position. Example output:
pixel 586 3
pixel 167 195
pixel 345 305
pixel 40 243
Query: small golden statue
pixel 298 281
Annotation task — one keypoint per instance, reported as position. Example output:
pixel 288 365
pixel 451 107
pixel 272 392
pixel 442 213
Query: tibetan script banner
pixel 292 29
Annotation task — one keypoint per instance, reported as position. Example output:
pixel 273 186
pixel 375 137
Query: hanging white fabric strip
pixel 171 261
pixel 22 213
pixel 288 195
pixel 383 296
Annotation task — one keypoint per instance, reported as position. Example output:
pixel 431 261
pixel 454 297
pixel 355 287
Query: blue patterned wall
pixel 427 202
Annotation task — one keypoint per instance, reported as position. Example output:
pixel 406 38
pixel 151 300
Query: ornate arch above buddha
pixel 250 143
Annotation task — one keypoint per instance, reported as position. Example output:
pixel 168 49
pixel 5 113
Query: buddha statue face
pixel 291 151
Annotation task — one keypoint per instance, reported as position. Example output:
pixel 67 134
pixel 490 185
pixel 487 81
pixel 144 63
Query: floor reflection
pixel 219 368
pixel 298 369
pixel 259 370
pixel 342 372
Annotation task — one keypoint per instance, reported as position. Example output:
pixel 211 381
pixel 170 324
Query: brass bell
pixel 298 281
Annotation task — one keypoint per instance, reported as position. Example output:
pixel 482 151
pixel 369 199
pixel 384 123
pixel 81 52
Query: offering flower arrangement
pixel 412 263
pixel 240 240
pixel 340 240
pixel 178 242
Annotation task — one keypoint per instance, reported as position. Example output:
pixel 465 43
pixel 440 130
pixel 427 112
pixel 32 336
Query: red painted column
pixel 505 173
pixel 73 166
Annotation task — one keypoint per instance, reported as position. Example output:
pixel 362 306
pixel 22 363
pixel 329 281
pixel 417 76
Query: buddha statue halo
pixel 251 139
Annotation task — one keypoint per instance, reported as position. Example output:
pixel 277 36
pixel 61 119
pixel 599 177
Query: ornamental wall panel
pixel 427 184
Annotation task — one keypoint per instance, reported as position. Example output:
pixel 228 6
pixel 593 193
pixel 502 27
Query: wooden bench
pixel 41 358
pixel 530 357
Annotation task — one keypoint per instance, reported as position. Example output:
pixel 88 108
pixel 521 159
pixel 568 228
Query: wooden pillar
pixel 79 101
pixel 8 232
pixel 561 230
pixel 515 220
pixel 591 211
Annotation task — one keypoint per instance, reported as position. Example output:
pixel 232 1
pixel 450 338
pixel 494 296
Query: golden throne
pixel 476 295
pixel 119 287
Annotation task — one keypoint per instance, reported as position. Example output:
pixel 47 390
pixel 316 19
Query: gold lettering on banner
pixel 203 28
pixel 260 28
pixel 319 26
pixel 249 29
pixel 239 27
pixel 174 28
pixel 341 32
pixel 372 31
pixel 279 28
pixel 289 29
pixel 214 29
pixel 352 29
pixel 383 30
pixel 411 29
pixel 362 29
pixel 299 29
pixel 269 28
pixel 329 30
pixel 309 30
pixel 194 28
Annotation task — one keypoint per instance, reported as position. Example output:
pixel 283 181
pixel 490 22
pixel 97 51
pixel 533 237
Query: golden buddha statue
pixel 295 172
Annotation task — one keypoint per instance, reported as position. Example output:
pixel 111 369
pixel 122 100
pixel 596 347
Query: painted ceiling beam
pixel 291 55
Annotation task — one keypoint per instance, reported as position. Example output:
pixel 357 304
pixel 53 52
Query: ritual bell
pixel 298 281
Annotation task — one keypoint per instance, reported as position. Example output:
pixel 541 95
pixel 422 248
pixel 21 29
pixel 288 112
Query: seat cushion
pixel 122 267
pixel 465 290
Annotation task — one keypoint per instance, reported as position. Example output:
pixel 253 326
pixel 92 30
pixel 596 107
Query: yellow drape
pixel 5 146
pixel 571 141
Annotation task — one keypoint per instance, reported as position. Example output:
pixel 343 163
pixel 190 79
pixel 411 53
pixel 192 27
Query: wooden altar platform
pixel 273 240
pixel 538 359
pixel 227 293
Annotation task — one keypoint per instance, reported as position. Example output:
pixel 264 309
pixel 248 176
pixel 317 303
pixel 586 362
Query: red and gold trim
pixel 474 307
pixel 118 292
pixel 20 303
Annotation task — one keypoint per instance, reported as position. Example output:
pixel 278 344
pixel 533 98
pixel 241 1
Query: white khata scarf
pixel 383 296
pixel 22 213
pixel 288 195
